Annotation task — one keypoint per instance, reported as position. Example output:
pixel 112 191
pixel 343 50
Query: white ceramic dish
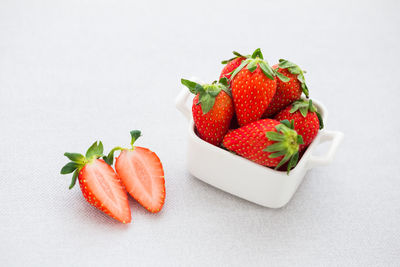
pixel 244 178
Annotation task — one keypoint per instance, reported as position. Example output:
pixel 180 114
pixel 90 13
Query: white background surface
pixel 72 72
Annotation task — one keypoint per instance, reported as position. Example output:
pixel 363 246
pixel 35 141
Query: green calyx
pixel 237 54
pixel 304 106
pixel 109 159
pixel 257 59
pixel 295 69
pixel 207 92
pixel 286 145
pixel 78 161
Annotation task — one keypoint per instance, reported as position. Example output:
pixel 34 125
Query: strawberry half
pixel 212 109
pixel 307 120
pixel 142 173
pixel 253 87
pixel 287 91
pixel 99 183
pixel 267 142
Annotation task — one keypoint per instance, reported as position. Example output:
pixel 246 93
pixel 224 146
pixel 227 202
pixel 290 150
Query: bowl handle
pixel 181 103
pixel 181 99
pixel 336 138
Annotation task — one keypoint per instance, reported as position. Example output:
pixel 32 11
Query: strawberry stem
pixel 135 134
pixel 109 159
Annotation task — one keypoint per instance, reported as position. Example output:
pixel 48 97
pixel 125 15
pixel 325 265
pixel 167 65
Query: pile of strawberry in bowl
pixel 259 113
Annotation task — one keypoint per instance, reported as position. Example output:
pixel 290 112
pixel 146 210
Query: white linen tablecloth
pixel 72 72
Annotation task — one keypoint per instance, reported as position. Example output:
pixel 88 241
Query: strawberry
pixel 231 65
pixel 99 183
pixel 267 142
pixel 141 172
pixel 253 87
pixel 289 91
pixel 307 121
pixel 212 109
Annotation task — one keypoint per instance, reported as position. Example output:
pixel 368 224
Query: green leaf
pixel 305 89
pixel 237 54
pixel 257 53
pixel 300 77
pixel 241 66
pixel 283 161
pixel 213 89
pixel 275 147
pixel 274 136
pixel 224 62
pixel 311 107
pixel 207 102
pixel 194 88
pixel 300 139
pixel 229 60
pixel 73 181
pixel 282 77
pixel 294 70
pixel 69 167
pixel 252 66
pixel 135 134
pixel 75 157
pixel 284 64
pixel 95 150
pixel 304 111
pixel 321 122
pixel 293 162
pixel 277 154
pixel 267 70
pixel 286 123
pixel 224 81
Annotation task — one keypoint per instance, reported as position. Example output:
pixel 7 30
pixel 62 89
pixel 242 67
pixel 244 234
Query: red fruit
pixel 212 109
pixel 267 142
pixel 253 87
pixel 289 90
pixel 231 65
pixel 100 185
pixel 307 121
pixel 142 174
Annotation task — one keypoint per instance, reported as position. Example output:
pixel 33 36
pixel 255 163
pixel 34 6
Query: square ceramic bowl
pixel 244 178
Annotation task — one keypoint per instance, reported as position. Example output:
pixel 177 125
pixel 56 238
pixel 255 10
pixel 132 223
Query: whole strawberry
pixel 287 91
pixel 231 65
pixel 307 121
pixel 267 142
pixel 212 109
pixel 253 87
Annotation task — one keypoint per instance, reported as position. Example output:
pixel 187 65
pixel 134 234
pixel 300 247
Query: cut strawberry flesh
pixel 142 174
pixel 103 189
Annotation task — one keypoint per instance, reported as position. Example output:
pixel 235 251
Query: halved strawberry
pixel 99 183
pixel 142 173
